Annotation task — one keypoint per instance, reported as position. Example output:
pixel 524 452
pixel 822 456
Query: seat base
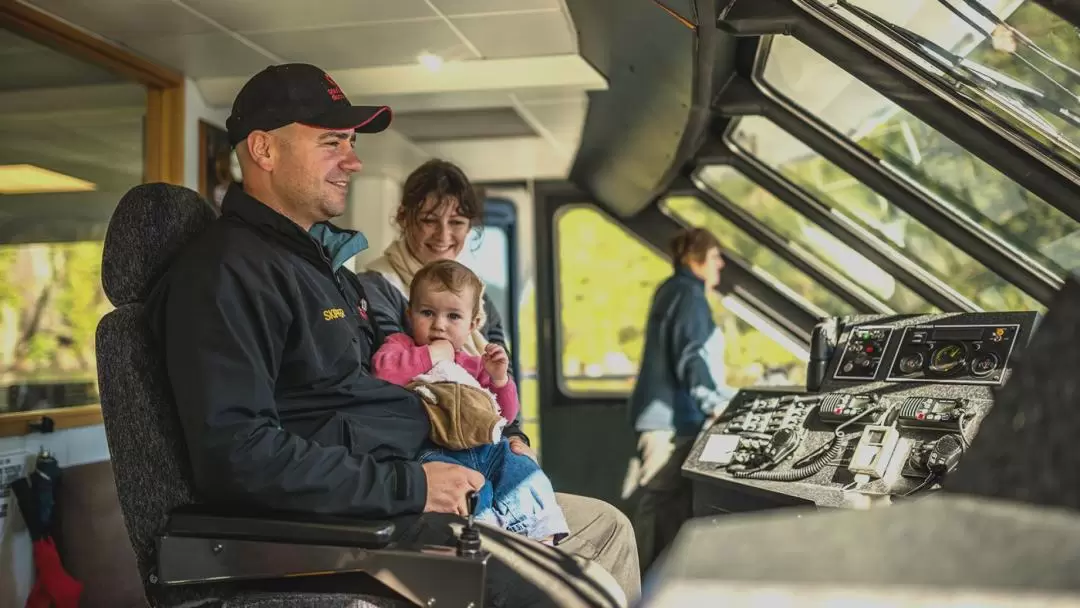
pixel 423 575
pixel 211 522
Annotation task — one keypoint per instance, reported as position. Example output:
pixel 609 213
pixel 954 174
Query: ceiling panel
pixel 360 46
pixel 469 7
pixel 119 19
pixel 562 119
pixel 264 15
pixel 518 35
pixel 202 55
pixel 462 124
pixel 448 100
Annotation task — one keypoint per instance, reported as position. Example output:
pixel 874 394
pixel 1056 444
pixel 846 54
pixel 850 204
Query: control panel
pixel 934 413
pixel 863 353
pixel 837 408
pixel 954 354
pixel 757 428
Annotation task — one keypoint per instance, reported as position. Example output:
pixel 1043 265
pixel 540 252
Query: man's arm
pixel 493 331
pixel 223 341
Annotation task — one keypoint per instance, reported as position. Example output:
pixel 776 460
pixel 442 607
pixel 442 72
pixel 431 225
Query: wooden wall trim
pixel 18 423
pixel 165 135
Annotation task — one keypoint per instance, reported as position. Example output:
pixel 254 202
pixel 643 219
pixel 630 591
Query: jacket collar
pixel 684 271
pixel 323 241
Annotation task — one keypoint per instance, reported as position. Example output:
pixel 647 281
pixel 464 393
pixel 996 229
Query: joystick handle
pixel 472 498
pixel 469 541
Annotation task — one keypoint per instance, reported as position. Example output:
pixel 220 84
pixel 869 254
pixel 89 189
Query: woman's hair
pixel 692 244
pixel 447 275
pixel 441 179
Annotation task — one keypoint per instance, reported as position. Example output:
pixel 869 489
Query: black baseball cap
pixel 298 92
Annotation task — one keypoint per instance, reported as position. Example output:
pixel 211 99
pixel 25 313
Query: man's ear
pixel 261 149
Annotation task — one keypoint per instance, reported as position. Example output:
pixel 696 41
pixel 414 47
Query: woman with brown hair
pixel 682 385
pixel 439 207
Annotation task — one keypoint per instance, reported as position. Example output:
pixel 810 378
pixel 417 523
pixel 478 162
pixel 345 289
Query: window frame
pixel 1004 239
pixel 802 258
pixel 741 97
pixel 1023 159
pixel 893 261
pixel 1027 161
pixel 163 147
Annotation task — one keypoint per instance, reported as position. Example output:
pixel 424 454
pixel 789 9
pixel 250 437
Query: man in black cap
pixel 268 349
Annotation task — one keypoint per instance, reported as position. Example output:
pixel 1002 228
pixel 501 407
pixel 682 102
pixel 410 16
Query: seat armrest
pixel 281 527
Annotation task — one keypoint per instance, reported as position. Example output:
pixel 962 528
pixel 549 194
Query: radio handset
pixel 823 342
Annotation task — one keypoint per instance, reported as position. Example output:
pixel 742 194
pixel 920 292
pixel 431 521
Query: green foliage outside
pixel 50 303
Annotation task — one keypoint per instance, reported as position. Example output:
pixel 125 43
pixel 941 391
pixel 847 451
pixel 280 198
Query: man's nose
pixel 352 162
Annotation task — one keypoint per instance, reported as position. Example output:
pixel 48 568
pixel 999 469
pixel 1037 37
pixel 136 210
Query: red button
pixel 869 349
pixel 920 415
pixel 838 410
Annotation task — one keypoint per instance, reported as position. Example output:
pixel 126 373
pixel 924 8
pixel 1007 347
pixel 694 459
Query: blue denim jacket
pixel 682 367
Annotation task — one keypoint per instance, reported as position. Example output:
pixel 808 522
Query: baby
pixel 445 308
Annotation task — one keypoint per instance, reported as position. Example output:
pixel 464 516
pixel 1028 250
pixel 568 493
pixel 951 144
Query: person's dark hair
pixel 692 244
pixel 447 275
pixel 444 180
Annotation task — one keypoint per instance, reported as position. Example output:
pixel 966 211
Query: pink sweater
pixel 399 360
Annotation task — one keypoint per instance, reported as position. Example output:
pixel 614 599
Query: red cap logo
pixel 333 89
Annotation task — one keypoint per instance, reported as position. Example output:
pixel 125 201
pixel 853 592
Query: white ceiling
pixel 522 59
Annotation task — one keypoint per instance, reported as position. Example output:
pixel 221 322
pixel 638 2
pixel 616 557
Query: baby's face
pixel 443 315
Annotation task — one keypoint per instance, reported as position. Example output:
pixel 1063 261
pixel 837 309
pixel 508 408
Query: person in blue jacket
pixel 681 384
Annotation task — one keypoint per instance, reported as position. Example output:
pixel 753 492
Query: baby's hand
pixel 497 364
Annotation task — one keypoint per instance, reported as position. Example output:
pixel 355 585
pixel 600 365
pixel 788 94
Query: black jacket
pixel 388 311
pixel 268 353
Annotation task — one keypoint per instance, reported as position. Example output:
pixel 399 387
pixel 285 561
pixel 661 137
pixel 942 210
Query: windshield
pixel 1014 58
pixel 763 140
pixel 910 148
pixel 806 235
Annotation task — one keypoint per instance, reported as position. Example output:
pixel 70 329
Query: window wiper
pixel 975 76
pixel 1018 35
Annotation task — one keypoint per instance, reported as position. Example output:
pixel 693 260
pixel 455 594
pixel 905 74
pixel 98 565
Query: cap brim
pixel 363 119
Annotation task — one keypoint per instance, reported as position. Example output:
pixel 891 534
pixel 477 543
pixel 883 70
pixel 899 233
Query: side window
pixel 489 257
pixel 606 279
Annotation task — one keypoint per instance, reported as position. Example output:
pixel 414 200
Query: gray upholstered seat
pixel 151 224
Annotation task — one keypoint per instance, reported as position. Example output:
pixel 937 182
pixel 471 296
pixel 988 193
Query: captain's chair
pixel 194 556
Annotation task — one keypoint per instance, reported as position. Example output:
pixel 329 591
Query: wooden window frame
pixel 163 148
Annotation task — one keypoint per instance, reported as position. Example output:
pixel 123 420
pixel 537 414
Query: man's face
pixel 311 171
pixel 443 315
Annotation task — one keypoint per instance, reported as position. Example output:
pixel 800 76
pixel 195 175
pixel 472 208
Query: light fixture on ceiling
pixel 430 61
pixel 31 179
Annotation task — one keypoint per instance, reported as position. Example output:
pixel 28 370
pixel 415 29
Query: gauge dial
pixel 948 359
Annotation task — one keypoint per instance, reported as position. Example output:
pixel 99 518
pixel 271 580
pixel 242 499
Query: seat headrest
pixel 150 225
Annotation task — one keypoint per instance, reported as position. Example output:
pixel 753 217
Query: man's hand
pixel 496 363
pixel 441 350
pixel 447 485
pixel 518 446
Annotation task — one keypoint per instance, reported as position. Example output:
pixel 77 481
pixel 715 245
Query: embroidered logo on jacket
pixel 333 313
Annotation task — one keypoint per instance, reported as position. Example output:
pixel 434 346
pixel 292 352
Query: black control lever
pixel 469 541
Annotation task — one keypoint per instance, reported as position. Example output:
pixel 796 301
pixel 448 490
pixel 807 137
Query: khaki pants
pixel 665 500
